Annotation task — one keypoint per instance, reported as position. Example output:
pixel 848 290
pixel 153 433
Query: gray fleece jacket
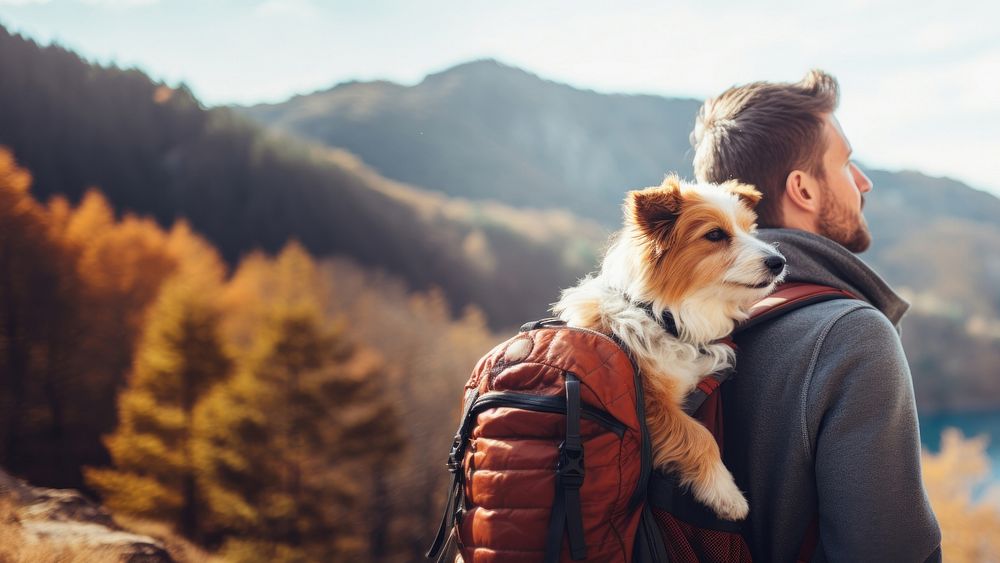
pixel 820 419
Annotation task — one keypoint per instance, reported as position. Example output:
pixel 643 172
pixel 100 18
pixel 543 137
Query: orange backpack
pixel 551 460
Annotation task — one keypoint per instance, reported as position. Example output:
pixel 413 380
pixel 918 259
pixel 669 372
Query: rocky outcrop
pixel 36 521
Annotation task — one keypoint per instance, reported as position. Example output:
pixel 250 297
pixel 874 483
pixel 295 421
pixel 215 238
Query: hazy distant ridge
pixel 483 129
pixel 487 130
pixel 155 150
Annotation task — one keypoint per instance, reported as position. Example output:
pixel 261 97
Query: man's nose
pixel 863 182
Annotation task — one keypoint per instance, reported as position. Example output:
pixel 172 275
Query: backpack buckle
pixel 455 456
pixel 570 468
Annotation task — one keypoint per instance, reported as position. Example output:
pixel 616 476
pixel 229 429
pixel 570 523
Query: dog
pixel 675 281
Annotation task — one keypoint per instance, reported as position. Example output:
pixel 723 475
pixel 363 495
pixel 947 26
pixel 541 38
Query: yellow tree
pixel 180 357
pixel 288 442
pixel 970 529
pixel 429 354
pixel 260 284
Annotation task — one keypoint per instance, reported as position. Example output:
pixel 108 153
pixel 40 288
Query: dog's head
pixel 696 242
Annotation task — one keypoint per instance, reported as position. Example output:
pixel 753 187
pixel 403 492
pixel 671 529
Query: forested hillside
pixel 485 130
pixel 156 150
pixel 288 409
pixel 582 149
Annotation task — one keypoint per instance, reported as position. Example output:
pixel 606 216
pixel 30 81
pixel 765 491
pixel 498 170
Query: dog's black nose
pixel 775 264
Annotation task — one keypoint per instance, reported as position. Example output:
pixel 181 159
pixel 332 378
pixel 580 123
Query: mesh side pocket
pixel 690 544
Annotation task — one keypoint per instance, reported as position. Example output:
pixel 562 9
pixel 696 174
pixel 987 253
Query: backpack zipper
pixel 544 403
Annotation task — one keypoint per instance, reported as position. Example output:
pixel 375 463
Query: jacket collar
pixel 816 259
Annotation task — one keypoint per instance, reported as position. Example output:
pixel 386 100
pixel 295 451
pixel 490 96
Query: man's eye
pixel 716 235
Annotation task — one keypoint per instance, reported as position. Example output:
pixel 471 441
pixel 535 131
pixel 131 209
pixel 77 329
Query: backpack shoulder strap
pixel 787 298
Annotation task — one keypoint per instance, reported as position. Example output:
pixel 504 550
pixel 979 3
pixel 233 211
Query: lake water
pixel 971 424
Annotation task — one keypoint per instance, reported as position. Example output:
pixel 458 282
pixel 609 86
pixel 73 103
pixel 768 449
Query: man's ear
pixel 802 191
pixel 746 192
pixel 654 210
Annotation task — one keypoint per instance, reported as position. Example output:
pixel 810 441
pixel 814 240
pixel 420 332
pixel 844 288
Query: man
pixel 821 424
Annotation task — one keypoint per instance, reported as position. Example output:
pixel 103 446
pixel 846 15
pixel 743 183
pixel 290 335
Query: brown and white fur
pixel 665 256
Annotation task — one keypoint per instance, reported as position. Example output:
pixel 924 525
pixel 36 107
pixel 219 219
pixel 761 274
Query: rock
pixel 66 520
pixel 84 535
pixel 65 505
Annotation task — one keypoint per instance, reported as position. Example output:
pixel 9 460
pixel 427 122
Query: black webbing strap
pixel 445 534
pixel 456 497
pixel 566 511
pixel 648 547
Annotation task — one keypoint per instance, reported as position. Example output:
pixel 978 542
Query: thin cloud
pixel 285 8
pixel 918 94
pixel 120 3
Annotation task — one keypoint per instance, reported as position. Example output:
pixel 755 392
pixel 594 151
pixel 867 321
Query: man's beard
pixel 843 225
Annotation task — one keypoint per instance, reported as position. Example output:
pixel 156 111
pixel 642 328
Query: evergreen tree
pixel 180 357
pixel 289 443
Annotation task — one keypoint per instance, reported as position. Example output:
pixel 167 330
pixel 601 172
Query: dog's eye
pixel 716 235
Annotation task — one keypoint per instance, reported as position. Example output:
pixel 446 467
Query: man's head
pixel 783 139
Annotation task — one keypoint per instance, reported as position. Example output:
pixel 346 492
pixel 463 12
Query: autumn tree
pixel 970 526
pixel 119 266
pixel 74 285
pixel 290 441
pixel 123 263
pixel 181 356
pixel 430 354
pixel 37 328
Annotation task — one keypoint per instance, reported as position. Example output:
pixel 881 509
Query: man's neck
pixel 796 219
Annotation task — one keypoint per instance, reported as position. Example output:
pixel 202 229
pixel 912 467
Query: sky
pixel 920 82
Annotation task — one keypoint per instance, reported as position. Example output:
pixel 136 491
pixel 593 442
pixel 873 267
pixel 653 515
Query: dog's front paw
pixel 720 493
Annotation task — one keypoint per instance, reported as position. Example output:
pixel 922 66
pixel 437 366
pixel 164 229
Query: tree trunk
pixel 13 378
pixel 379 520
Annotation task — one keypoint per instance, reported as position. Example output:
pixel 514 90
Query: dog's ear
pixel 746 192
pixel 654 210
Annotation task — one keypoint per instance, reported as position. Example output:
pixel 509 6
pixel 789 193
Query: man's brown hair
pixel 759 133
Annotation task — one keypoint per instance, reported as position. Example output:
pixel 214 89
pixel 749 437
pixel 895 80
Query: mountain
pixel 939 240
pixel 155 150
pixel 487 130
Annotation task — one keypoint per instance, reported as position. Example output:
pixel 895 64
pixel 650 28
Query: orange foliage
pixel 36 327
pixel 260 285
pixel 75 287
pixel 970 528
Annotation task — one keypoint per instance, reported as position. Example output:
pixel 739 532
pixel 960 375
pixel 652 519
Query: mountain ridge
pixel 555 146
pixel 156 150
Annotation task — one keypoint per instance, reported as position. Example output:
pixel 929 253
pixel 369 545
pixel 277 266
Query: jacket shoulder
pixel 806 320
